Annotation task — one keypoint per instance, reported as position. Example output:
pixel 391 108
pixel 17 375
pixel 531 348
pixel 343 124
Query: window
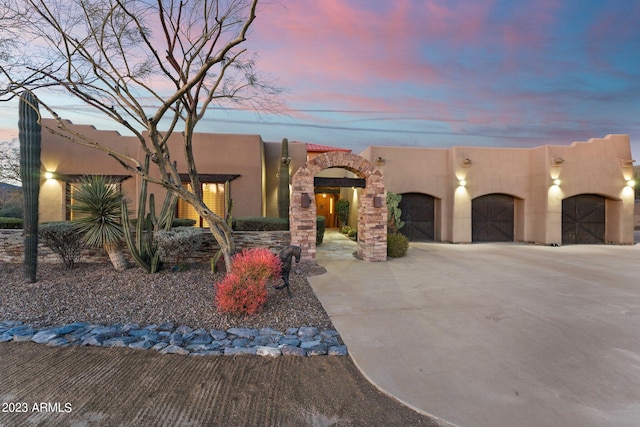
pixel 213 196
pixel 70 189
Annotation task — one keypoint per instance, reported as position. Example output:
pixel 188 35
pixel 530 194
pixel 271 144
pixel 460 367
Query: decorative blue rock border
pixel 168 339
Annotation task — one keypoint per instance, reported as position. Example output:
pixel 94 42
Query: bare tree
pixel 153 66
pixel 10 162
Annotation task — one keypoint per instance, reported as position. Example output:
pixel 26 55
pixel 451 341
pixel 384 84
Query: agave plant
pixel 97 204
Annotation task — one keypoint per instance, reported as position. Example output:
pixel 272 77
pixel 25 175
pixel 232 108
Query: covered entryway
pixel 492 218
pixel 583 219
pixel 372 208
pixel 418 214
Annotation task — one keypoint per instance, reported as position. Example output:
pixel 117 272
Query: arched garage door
pixel 492 218
pixel 418 211
pixel 583 219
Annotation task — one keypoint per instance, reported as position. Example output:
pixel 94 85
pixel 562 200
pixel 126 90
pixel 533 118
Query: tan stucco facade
pixel 256 162
pixel 601 166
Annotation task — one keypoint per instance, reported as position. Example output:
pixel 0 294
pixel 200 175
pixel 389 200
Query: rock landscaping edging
pixel 169 339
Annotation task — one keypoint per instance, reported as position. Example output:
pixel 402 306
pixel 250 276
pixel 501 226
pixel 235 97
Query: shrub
pixel 320 227
pixel 176 222
pixel 183 222
pixel 178 244
pixel 11 212
pixel 256 263
pixel 342 209
pixel 397 245
pixel 353 233
pixel 244 290
pixel 235 296
pixel 260 223
pixel 345 230
pixel 65 239
pixel 11 222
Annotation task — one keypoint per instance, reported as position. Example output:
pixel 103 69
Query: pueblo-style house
pixel 579 193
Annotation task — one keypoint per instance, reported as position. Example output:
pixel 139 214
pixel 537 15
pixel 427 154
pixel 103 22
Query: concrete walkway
pixel 496 334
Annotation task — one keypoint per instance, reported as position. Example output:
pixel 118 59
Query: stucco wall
pixel 599 166
pixel 298 154
pixel 214 154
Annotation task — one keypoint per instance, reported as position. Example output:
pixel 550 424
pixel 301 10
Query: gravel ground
pixel 96 293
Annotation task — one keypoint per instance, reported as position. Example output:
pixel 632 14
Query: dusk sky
pixel 439 73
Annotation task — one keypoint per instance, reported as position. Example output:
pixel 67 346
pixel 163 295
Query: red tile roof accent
pixel 317 148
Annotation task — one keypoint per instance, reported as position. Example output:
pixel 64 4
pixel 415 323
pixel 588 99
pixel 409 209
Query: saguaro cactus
pixel 29 134
pixel 143 248
pixel 283 183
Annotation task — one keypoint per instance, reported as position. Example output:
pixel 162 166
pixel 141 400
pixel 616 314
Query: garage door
pixel 583 219
pixel 418 214
pixel 492 218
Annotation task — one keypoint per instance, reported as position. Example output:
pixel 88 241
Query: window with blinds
pixel 213 197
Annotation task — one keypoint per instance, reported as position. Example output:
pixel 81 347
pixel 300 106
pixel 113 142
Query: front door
pixel 326 207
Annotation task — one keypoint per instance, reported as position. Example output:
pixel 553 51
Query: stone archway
pixel 372 207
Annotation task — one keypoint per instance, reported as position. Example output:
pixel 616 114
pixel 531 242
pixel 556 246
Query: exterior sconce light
pixel 556 181
pixel 377 202
pixel 462 183
pixel 379 161
pixel 305 200
pixel 465 163
pixel 631 183
pixel 48 175
pixel 557 161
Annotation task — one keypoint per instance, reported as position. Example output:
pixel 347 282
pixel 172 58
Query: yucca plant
pixel 97 204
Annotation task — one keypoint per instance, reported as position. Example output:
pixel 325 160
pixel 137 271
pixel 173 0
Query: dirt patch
pixel 109 387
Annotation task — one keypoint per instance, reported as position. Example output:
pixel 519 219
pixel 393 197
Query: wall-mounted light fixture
pixel 377 202
pixel 462 183
pixel 305 200
pixel 48 175
pixel 556 181
pixel 379 161
pixel 465 163
pixel 631 183
pixel 557 161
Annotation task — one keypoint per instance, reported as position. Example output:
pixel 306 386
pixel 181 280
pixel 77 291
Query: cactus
pixel 394 212
pixel 283 183
pixel 29 134
pixel 143 248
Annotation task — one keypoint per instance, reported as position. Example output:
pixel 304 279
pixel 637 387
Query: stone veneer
pixel 372 213
pixel 12 251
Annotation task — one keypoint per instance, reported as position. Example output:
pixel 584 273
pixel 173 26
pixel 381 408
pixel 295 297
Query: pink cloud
pixel 335 40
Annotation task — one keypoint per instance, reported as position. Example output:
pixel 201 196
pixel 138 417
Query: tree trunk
pixel 223 235
pixel 116 255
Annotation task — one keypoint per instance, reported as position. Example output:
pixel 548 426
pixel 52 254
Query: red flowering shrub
pixel 257 263
pixel 244 290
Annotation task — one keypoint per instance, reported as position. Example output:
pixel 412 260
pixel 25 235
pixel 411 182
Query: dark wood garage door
pixel 583 219
pixel 418 214
pixel 492 218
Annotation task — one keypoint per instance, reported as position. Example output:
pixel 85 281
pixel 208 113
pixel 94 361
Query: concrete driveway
pixel 496 334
